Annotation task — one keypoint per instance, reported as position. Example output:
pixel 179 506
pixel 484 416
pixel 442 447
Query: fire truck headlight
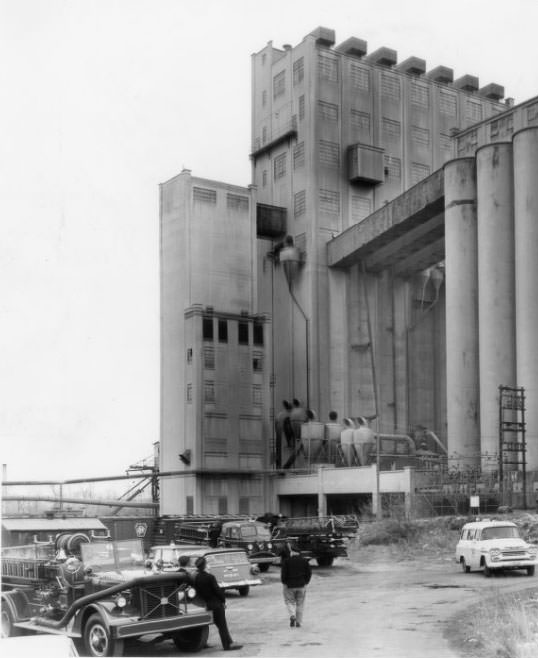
pixel 121 601
pixel 191 592
pixel 250 547
pixel 533 550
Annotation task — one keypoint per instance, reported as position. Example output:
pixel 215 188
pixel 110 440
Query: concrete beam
pixel 420 259
pixel 411 209
pixel 409 242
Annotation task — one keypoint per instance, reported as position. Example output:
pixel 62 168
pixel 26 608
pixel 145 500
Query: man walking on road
pixel 295 576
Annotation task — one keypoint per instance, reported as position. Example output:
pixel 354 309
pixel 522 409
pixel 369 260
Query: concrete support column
pixel 525 144
pixel 496 288
pixel 461 311
pixel 322 498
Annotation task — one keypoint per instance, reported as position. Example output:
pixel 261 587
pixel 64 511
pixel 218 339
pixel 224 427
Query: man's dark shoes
pixel 298 624
pixel 292 621
pixel 233 647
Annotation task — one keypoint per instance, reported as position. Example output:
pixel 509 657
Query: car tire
pixel 325 560
pixel 464 566
pixel 243 591
pixel 264 567
pixel 530 571
pixel 8 629
pixel 191 639
pixel 98 640
pixel 487 571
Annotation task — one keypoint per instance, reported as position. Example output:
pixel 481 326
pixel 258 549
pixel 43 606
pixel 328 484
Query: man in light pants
pixel 295 575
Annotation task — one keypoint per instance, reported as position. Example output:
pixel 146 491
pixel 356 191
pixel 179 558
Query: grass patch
pixel 503 626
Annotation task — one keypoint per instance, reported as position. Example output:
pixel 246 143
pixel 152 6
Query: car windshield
pixel 253 531
pixel 113 555
pixel 500 532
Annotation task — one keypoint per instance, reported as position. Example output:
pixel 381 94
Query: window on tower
pixel 223 331
pixel 207 328
pixel 242 333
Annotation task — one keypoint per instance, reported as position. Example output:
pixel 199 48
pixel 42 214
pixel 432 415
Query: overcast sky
pixel 102 101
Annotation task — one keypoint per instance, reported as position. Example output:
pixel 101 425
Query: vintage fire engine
pixel 99 591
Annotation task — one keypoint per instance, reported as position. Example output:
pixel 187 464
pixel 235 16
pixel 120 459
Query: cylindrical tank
pixel 461 289
pixel 525 144
pixel 496 288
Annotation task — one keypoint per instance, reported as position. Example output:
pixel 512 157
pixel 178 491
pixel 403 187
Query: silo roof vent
pixel 493 91
pixel 467 83
pixel 412 65
pixel 383 56
pixel 353 46
pixel 324 36
pixel 442 74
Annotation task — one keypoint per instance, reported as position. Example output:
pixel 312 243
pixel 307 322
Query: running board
pixel 29 626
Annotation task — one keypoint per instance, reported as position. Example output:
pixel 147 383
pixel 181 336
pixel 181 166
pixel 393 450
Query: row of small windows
pixel 208 196
pixel 279 84
pixel 418 172
pixel 209 359
pixel 419 94
pixel 208 326
pixel 329 201
pixel 360 120
pixel 299 203
pixel 391 128
pixel 279 166
pixel 360 78
pixel 203 195
pixel 393 167
pixel 298 156
pixel 532 113
pixel 328 67
pixel 329 153
pixel 211 398
pixel 298 71
pixel 502 127
pixel 328 111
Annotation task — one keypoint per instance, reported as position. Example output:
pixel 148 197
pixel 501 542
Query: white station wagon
pixel 494 545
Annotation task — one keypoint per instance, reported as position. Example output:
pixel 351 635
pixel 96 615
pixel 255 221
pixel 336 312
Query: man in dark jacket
pixel 295 575
pixel 208 589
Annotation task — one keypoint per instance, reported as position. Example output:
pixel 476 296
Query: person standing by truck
pixel 295 576
pixel 208 589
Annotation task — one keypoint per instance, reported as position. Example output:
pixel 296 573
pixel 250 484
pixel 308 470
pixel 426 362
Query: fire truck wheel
pixel 325 560
pixel 191 639
pixel 8 630
pixel 98 640
pixel 264 567
pixel 243 591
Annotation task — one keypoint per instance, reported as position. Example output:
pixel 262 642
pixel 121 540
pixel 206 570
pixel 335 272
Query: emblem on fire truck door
pixel 141 529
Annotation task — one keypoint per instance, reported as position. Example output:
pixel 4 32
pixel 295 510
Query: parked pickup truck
pixel 101 593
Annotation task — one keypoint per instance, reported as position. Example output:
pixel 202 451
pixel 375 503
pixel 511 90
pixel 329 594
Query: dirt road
pixel 372 610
